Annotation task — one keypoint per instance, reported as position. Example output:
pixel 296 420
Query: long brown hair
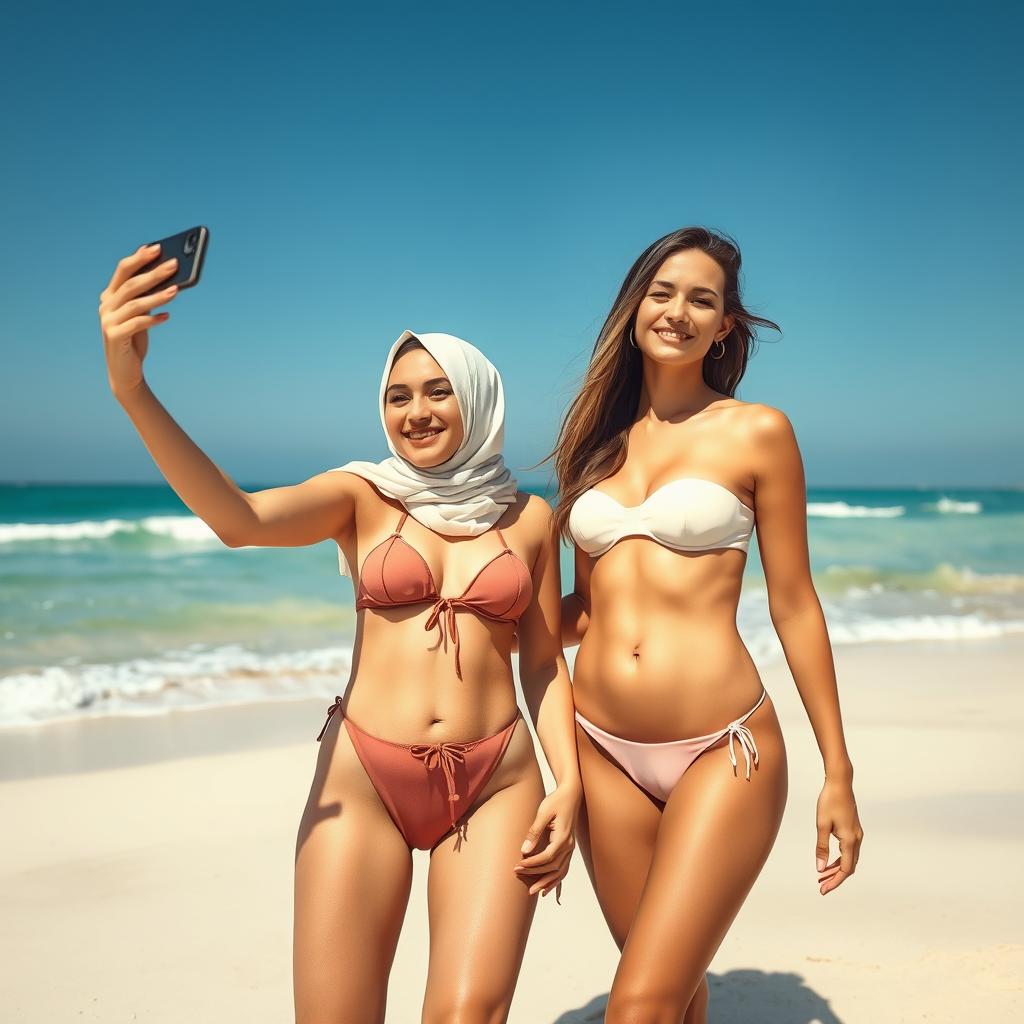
pixel 591 444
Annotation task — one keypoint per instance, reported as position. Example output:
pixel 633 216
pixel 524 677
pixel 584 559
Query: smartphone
pixel 190 249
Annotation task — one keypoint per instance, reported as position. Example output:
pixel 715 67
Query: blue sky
pixel 492 171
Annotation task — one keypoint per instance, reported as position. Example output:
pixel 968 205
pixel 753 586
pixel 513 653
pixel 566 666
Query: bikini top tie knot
pixel 442 615
pixel 394 573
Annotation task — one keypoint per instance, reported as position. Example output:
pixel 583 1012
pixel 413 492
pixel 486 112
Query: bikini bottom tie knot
pixel 330 714
pixel 738 731
pixel 447 755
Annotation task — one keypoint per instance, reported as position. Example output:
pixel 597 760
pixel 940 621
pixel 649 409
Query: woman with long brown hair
pixel 663 475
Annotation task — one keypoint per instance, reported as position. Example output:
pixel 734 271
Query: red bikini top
pixel 395 573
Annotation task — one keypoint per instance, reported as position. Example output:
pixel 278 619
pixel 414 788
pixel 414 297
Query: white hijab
pixel 467 494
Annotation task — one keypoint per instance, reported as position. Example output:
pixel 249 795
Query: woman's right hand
pixel 125 316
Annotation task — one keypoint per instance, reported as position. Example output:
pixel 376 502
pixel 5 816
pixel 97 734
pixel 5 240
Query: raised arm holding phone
pixel 427 748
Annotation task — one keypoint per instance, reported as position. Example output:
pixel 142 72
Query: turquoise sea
pixel 117 600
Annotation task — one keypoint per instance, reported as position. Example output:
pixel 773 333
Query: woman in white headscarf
pixel 427 748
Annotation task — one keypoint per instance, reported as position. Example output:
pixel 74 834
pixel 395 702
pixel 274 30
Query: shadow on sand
pixel 741 997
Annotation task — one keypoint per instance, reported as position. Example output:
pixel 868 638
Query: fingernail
pixel 151 248
pixel 525 847
pixel 821 863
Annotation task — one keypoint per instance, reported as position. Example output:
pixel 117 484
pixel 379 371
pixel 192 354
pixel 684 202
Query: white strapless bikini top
pixel 689 514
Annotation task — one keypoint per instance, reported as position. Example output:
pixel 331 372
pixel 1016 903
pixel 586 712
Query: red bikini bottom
pixel 420 783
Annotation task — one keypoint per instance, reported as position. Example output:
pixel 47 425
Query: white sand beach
pixel 146 868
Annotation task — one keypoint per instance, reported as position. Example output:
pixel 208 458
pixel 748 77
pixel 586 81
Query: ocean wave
pixel 190 529
pixel 842 510
pixel 187 528
pixel 765 648
pixel 190 678
pixel 942 579
pixel 921 627
pixel 951 506
pixel 14 533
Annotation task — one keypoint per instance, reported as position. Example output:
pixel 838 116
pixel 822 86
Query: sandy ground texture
pixel 145 868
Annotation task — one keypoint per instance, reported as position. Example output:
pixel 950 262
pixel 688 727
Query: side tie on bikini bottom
pixel 330 714
pixel 658 767
pixel 738 731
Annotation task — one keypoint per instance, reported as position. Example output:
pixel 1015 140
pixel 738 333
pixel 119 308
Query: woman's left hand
pixel 837 815
pixel 556 816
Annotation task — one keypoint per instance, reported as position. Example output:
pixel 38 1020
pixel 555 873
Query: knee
pixel 467 1008
pixel 644 1007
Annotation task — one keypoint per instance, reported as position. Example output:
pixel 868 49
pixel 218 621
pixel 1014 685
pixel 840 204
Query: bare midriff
pixel 403 685
pixel 662 658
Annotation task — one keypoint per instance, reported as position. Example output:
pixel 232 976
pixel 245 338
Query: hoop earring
pixel 722 353
pixel 632 340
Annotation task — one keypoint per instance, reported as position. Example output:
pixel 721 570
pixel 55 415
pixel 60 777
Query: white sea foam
pixel 842 510
pixel 186 528
pixel 179 528
pixel 191 678
pixel 763 643
pixel 90 529
pixel 922 627
pixel 951 506
pixel 866 621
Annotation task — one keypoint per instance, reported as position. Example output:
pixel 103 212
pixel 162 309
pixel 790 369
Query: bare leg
pixel 353 872
pixel 716 833
pixel 618 828
pixel 480 912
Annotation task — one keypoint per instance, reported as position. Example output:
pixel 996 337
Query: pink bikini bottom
pixel 657 767
pixel 420 783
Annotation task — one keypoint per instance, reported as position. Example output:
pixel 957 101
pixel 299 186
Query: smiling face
pixel 682 313
pixel 421 412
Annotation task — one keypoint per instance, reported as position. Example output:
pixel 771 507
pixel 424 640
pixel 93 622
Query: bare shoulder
pixel 534 508
pixel 752 422
pixel 771 440
pixel 532 515
pixel 765 425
